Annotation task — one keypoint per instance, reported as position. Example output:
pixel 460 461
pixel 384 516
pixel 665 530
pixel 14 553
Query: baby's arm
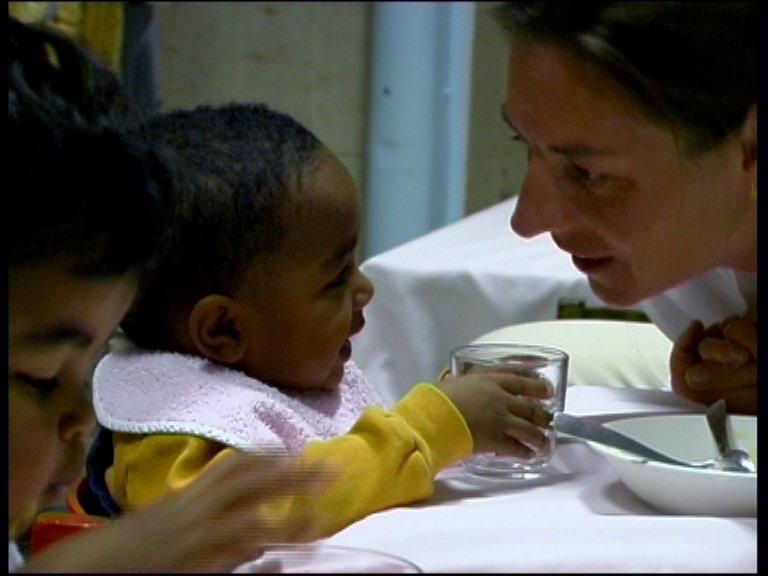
pixel 387 458
pixel 390 458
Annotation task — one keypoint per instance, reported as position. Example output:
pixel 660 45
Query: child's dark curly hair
pixel 83 184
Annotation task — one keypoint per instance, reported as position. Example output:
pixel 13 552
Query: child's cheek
pixel 19 524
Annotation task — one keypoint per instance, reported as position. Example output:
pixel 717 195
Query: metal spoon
pixel 595 432
pixel 732 459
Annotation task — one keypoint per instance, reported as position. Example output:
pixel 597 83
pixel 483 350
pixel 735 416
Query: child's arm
pixel 211 526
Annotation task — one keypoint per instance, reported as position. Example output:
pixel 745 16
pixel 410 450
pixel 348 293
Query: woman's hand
pixel 720 361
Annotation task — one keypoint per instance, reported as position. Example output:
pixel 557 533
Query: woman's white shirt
pixel 711 297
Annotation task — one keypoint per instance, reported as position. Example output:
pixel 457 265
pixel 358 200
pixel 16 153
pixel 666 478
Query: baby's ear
pixel 215 329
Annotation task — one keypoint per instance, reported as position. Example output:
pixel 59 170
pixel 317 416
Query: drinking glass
pixel 529 360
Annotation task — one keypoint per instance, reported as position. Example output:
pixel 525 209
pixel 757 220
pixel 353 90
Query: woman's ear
pixel 215 329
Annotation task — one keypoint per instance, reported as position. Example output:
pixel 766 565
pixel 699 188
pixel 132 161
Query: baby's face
pixel 301 323
pixel 58 324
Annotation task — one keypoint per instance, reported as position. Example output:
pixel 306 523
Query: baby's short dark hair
pixel 234 168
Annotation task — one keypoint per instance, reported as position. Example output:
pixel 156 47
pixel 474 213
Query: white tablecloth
pixel 453 285
pixel 580 519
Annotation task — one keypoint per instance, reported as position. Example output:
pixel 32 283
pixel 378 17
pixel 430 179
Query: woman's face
pixel 58 324
pixel 637 215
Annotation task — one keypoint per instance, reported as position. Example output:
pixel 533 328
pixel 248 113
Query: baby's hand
pixel 502 411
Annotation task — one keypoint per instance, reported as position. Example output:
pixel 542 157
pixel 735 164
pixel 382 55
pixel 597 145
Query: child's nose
pixel 77 424
pixel 364 294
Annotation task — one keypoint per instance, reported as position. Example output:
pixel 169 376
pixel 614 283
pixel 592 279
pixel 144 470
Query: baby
pixel 243 333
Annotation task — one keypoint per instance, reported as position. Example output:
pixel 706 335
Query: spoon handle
pixel 716 418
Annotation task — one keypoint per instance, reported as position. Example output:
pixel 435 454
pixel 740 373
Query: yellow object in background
pixel 98 26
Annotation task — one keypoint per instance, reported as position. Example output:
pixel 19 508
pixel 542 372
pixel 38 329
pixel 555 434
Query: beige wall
pixel 496 166
pixel 311 60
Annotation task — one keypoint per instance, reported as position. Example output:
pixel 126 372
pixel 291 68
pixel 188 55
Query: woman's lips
pixel 590 265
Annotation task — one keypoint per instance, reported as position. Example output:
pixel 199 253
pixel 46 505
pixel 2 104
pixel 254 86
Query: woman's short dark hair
pixel 691 66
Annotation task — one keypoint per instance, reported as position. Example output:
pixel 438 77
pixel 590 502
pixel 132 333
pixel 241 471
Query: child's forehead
pixel 325 210
pixel 48 300
pixel 327 190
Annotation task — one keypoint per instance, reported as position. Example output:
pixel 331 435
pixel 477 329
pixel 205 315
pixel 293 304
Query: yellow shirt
pixel 388 458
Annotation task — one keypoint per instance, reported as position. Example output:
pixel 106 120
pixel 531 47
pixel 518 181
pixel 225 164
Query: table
pixel 579 519
pixel 453 285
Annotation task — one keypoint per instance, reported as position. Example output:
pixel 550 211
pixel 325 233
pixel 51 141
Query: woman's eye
pixel 584 176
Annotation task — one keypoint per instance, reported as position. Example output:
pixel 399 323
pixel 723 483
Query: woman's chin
pixel 613 295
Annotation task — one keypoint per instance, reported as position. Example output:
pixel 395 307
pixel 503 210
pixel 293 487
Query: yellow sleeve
pixel 387 458
pixel 146 467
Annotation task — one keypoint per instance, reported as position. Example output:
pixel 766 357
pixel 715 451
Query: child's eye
pixel 341 278
pixel 43 386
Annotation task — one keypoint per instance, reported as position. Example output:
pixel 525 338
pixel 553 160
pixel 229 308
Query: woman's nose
pixel 537 210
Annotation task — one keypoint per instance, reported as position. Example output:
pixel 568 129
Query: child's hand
pixel 717 362
pixel 213 525
pixel 502 411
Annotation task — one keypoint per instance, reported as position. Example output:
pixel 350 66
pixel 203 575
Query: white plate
pixel 681 490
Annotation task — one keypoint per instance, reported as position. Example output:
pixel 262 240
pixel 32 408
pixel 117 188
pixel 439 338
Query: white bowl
pixel 681 490
pixel 320 558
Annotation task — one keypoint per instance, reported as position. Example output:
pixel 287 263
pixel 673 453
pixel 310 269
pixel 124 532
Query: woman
pixel 640 120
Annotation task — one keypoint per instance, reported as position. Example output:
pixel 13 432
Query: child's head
pixel 80 228
pixel 260 273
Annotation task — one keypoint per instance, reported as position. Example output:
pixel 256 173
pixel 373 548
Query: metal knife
pixel 587 430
